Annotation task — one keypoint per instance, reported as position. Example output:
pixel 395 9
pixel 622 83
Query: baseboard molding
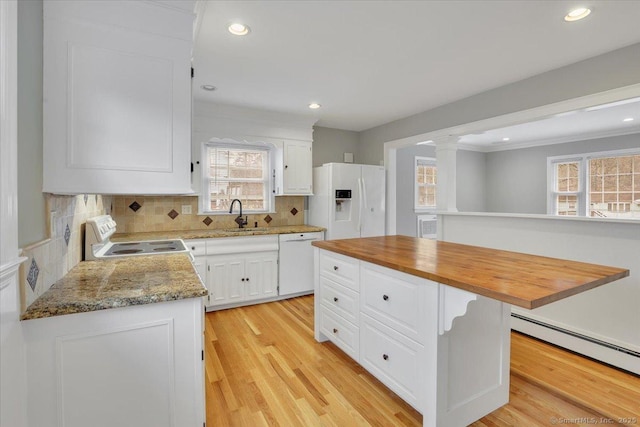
pixel 622 358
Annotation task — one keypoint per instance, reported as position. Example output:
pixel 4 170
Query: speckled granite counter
pixel 212 234
pixel 119 282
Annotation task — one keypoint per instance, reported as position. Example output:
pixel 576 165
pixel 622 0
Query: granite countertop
pixel 119 282
pixel 528 281
pixel 212 234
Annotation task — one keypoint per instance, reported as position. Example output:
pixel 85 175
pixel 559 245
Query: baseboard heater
pixel 577 335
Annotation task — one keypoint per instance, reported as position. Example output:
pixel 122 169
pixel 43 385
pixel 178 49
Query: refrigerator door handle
pixel 361 201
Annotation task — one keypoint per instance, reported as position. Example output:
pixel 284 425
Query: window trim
pixel 204 197
pixel 584 183
pixel 416 207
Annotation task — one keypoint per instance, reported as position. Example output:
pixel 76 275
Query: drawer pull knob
pixel 335 299
pixel 242 279
pixel 193 248
pixel 247 279
pixel 335 331
pixel 335 268
pixel 385 356
pixel 385 297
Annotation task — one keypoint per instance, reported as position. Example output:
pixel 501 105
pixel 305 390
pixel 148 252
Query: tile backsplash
pixel 165 213
pixel 49 260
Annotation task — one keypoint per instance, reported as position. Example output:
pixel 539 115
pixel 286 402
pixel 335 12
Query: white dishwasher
pixel 296 262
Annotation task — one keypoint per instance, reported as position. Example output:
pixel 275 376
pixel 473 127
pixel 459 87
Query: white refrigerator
pixel 348 200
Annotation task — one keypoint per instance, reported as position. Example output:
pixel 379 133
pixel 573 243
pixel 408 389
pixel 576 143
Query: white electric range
pixel 99 246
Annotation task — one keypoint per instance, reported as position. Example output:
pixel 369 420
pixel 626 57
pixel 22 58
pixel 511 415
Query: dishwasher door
pixel 296 262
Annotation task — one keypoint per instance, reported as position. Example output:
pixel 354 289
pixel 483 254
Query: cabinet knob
pixel 242 279
pixel 385 356
pixel 335 267
pixel 247 279
pixel 385 297
pixel 335 331
pixel 286 166
pixel 335 299
pixel 193 248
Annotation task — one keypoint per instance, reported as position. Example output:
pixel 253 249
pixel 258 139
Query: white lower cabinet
pixel 128 367
pixel 237 278
pixel 236 270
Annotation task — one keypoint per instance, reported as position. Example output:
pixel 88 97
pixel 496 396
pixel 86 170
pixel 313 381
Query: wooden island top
pixel 524 280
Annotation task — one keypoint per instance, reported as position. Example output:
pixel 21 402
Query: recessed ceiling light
pixel 505 139
pixel 210 88
pixel 628 119
pixel 314 105
pixel 238 29
pixel 424 142
pixel 577 14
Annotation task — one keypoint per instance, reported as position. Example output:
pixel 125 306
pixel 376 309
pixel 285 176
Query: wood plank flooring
pixel 264 368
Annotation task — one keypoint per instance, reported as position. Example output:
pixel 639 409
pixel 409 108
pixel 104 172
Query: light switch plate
pixel 186 209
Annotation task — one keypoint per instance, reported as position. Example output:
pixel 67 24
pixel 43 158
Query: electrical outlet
pixel 186 209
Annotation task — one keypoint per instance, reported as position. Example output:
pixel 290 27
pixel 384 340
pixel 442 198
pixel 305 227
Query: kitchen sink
pixel 246 230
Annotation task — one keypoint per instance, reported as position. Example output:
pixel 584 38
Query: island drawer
pixel 396 299
pixel 341 269
pixel 392 358
pixel 341 332
pixel 340 299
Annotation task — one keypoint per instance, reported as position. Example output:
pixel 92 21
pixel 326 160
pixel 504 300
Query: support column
pixel 446 149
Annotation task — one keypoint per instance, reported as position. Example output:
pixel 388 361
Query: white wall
pixel 601 73
pixel 329 145
pixel 471 188
pixel 518 178
pixel 608 313
pixel 31 203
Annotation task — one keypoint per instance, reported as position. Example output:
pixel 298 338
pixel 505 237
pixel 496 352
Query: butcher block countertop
pixel 119 282
pixel 527 281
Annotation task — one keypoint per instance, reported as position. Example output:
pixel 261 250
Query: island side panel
pixel 473 362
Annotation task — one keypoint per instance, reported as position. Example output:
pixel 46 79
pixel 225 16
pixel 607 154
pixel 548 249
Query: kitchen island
pixel 118 342
pixel 431 319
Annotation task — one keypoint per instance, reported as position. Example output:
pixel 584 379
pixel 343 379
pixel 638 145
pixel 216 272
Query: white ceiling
pixel 588 123
pixel 372 62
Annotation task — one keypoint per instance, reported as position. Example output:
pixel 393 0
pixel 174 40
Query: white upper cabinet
pixel 294 169
pixel 117 97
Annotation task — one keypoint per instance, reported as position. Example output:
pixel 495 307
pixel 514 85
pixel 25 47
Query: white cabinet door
pixel 117 100
pixel 269 274
pixel 298 168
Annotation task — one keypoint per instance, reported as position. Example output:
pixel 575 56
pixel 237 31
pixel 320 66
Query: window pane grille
pixel 614 190
pixel 238 173
pixel 426 180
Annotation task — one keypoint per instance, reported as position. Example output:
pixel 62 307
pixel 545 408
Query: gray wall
pixel 608 71
pixel 517 179
pixel 405 215
pixel 329 145
pixel 31 202
pixel 471 181
pixel 470 177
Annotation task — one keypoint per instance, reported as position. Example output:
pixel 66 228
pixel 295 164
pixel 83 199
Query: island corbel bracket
pixel 453 302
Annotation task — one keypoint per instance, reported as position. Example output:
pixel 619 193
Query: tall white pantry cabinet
pixel 117 97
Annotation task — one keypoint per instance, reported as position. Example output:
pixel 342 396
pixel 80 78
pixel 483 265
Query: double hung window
pixel 598 185
pixel 236 172
pixel 425 183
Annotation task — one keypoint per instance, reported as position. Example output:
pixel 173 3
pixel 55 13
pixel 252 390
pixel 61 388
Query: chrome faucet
pixel 241 222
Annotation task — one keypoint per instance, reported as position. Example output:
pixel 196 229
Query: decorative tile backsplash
pixel 165 213
pixel 52 258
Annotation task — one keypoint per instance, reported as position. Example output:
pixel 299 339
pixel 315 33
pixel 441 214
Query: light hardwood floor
pixel 264 368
